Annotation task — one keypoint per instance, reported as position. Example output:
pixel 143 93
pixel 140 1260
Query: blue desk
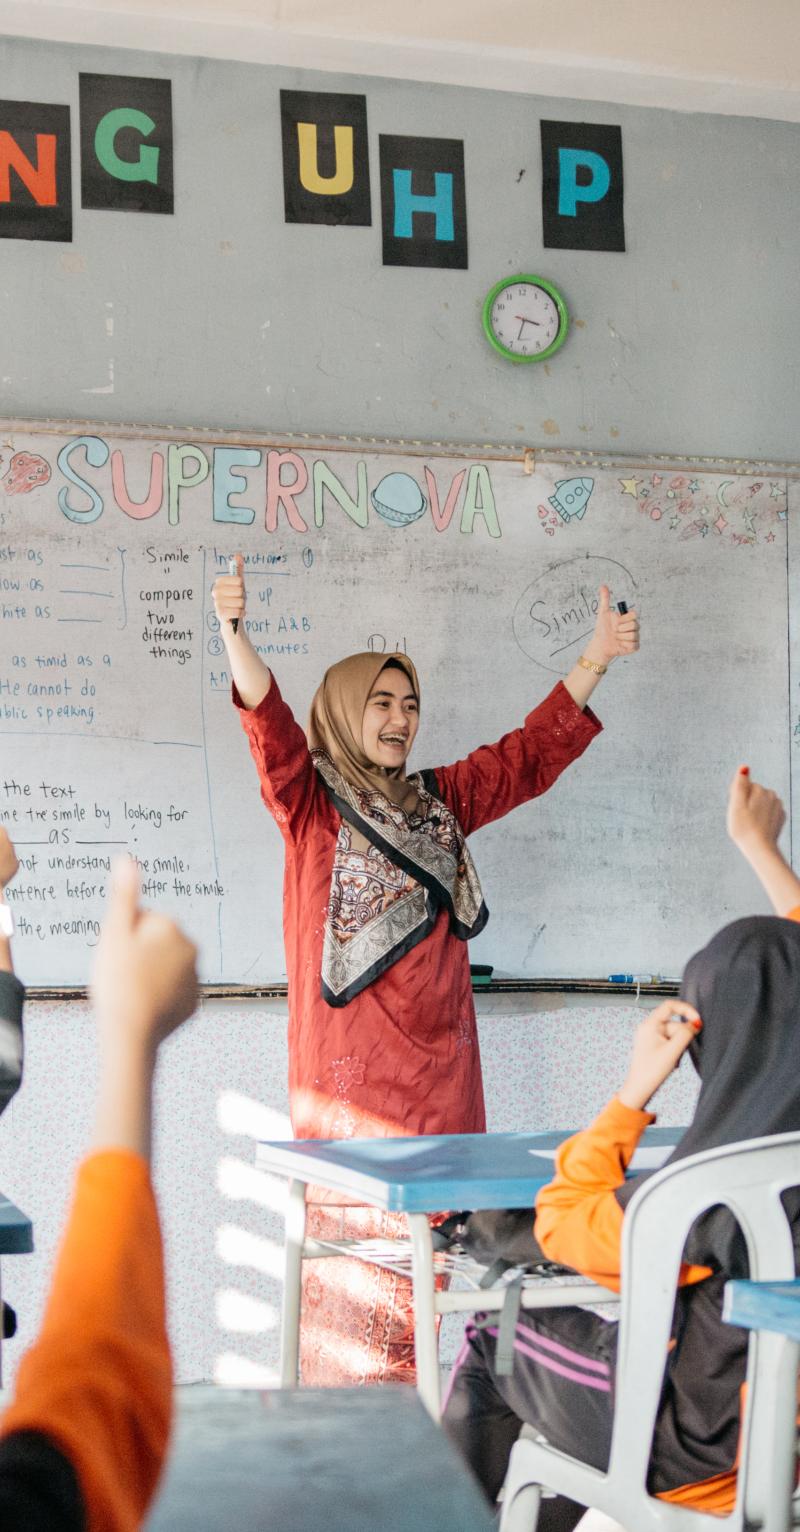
pixel 764 1306
pixel 774 1307
pixel 324 1460
pixel 419 1176
pixel 16 1230
pixel 432 1174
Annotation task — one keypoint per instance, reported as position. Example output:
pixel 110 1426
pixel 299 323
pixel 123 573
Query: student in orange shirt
pixel 740 1016
pixel 83 1441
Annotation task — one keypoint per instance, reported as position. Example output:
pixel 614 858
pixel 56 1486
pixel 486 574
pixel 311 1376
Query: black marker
pixel 622 606
pixel 233 569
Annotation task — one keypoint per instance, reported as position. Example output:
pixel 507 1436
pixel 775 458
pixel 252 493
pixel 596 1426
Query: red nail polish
pixel 696 1025
pixel 744 771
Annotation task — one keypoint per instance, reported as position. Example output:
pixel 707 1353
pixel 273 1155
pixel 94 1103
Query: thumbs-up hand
pixel 144 980
pixel 229 597
pixel 615 633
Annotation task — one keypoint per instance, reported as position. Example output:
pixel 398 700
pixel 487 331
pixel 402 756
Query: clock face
pixel 525 319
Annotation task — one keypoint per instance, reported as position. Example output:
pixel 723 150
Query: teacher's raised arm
pixel 615 634
pixel 251 677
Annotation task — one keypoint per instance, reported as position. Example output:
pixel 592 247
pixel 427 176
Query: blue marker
pixel 637 978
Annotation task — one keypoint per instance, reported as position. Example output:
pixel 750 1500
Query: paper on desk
pixel 646 1157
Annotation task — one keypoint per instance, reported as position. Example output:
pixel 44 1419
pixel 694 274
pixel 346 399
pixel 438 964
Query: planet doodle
pixel 399 499
pixel 25 471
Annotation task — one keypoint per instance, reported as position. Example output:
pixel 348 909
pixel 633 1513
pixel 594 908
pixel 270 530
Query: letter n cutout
pixel 35 171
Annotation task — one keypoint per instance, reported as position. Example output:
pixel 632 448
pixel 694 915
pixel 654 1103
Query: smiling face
pixel 391 720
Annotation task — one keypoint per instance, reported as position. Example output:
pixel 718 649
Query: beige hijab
pixel 335 725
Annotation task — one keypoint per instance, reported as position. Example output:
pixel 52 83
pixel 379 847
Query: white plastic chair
pixel 749 1178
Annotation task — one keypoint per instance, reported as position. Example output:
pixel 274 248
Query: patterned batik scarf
pixel 400 854
pixel 385 899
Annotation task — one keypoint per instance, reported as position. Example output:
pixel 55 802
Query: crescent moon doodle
pixel 720 496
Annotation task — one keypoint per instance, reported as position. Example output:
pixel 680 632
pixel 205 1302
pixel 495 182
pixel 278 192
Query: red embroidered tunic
pixel 402 1057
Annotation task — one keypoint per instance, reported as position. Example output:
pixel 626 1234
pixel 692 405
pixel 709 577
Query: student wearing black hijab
pixel 739 1019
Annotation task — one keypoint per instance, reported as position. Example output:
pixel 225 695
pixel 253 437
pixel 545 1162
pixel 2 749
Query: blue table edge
pixel 305 1160
pixel 773 1306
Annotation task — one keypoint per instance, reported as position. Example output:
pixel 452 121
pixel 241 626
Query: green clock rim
pixel 563 317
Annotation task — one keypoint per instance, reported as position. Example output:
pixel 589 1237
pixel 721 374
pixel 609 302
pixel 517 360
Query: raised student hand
pixel 229 595
pixel 8 858
pixel 658 1046
pixel 756 815
pixel 144 980
pixel 615 633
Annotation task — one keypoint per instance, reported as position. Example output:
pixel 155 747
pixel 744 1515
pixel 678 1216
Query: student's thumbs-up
pixel 229 597
pixel 144 982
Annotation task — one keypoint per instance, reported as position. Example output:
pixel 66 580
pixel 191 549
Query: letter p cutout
pixel 570 191
pixel 582 206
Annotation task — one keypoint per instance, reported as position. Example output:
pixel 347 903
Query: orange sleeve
pixel 794 914
pixel 98 1380
pixel 578 1218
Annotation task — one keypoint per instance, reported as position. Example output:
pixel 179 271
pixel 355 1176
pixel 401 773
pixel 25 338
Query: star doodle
pixel 770 537
pixel 775 491
pixel 694 486
pixel 720 524
pixel 675 522
pixel 629 486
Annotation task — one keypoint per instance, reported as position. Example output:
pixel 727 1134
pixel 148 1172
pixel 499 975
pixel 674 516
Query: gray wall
pixel 223 315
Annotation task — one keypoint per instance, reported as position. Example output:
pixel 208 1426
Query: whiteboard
pixel 118 731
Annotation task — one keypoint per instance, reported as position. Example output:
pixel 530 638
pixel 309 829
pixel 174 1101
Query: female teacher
pixel 380 899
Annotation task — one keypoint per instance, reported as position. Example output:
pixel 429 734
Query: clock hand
pixel 524 320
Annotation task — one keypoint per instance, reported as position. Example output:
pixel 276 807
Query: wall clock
pixel 525 318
